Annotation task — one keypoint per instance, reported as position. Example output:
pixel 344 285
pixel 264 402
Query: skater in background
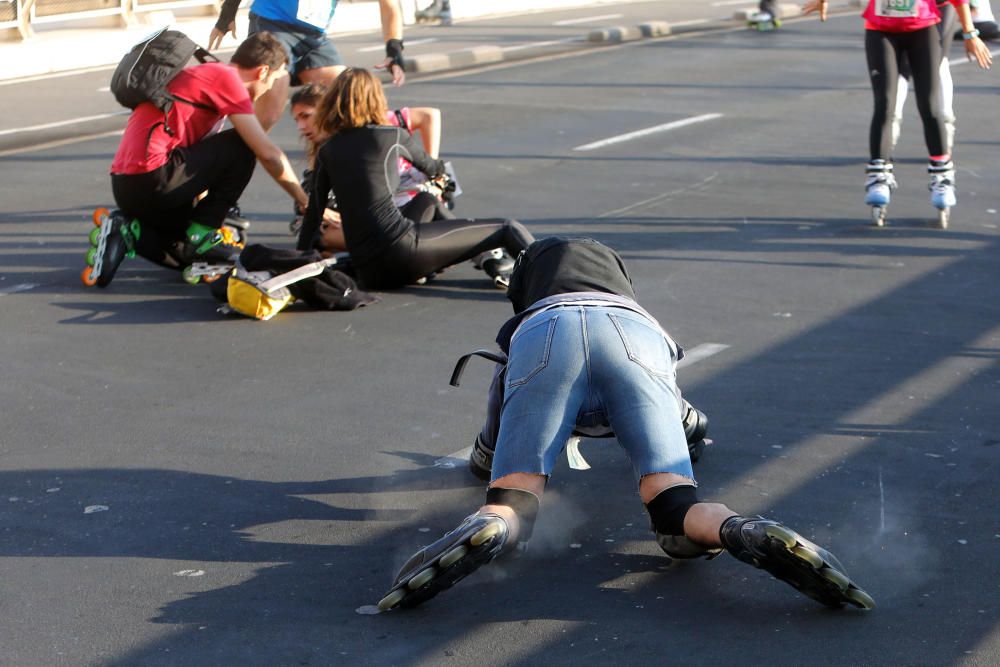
pixel 300 25
pixel 983 19
pixel 359 163
pixel 767 16
pixel 892 31
pixel 946 31
pixel 157 173
pixel 580 347
pixel 438 10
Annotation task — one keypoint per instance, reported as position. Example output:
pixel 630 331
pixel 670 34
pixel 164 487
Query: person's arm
pixel 226 23
pixel 975 49
pixel 316 210
pixel 392 34
pixel 418 157
pixel 427 120
pixel 272 158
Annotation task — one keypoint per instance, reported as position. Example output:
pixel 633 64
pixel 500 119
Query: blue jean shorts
pixel 576 364
pixel 306 49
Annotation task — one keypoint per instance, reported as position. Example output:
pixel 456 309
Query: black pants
pixel 163 200
pixel 427 248
pixel 425 207
pixel 922 49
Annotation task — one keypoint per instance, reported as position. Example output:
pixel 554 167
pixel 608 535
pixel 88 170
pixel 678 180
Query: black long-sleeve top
pixel 360 165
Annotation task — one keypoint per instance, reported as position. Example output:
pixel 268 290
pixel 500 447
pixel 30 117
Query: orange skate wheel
pixel 88 277
pixel 100 214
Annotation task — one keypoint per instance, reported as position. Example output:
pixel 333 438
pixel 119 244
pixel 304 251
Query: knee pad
pixel 666 512
pixel 524 504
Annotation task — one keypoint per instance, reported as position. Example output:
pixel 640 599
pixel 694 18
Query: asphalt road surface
pixel 182 488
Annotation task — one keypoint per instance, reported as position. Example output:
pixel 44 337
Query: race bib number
pixel 896 8
pixel 315 12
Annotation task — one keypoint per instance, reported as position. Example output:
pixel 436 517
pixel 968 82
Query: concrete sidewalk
pixel 72 47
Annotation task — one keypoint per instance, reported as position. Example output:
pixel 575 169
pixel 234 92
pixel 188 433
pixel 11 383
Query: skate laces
pixel 879 172
pixel 942 176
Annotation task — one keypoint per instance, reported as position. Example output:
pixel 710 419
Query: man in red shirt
pixel 165 161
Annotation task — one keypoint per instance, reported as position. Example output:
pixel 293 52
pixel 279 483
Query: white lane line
pixel 621 138
pixel 409 42
pixel 14 289
pixel 587 19
pixel 954 63
pixel 692 356
pixel 700 352
pixel 549 43
pixel 727 3
pixel 63 123
pixel 60 142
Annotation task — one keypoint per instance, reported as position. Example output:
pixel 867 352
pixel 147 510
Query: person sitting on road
pixel 163 164
pixel 580 348
pixel 301 25
pixel 419 204
pixel 388 249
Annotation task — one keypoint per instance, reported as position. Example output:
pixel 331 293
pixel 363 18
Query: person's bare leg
pixel 522 481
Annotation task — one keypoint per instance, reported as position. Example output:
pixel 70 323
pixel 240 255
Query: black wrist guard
pixel 394 50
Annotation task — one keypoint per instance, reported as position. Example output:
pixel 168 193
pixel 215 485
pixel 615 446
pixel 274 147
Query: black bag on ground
pixel 144 72
pixel 330 290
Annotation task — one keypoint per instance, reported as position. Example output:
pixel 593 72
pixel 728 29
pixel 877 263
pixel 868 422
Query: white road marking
pixel 953 64
pixel 679 24
pixel 588 19
pixel 692 356
pixel 529 45
pixel 409 42
pixel 701 185
pixel 14 289
pixel 60 142
pixel 63 123
pixel 727 3
pixel 666 127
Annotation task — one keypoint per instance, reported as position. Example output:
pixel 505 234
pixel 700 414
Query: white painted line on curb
pixel 63 123
pixel 409 42
pixel 621 138
pixel 682 24
pixel 587 19
pixel 14 289
pixel 692 356
pixel 529 45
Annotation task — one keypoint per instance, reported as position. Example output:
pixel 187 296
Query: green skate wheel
pixel 784 535
pixel 859 598
pixel 189 276
pixel 391 600
pixel 485 533
pixel 808 555
pixel 835 577
pixel 95 236
pixel 421 579
pixel 452 556
pixel 91 256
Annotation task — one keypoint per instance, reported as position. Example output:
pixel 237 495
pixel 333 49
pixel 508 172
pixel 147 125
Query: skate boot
pixel 695 429
pixel 240 225
pixel 764 21
pixel 430 13
pixel 481 459
pixel 879 184
pixel 111 242
pixel 211 251
pixel 478 539
pixel 942 187
pixel 788 556
pixel 499 266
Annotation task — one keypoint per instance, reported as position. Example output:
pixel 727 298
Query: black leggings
pixel 427 248
pixel 923 52
pixel 163 200
pixel 425 207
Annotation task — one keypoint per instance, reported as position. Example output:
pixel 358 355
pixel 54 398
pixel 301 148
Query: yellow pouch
pixel 247 297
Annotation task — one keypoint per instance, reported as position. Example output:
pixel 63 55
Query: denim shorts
pixel 306 49
pixel 583 363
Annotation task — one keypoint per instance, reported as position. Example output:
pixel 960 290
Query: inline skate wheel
pixel 859 598
pixel 87 277
pixel 391 600
pixel 486 533
pixel 453 556
pixel 944 216
pixel 100 215
pixel 838 579
pixel 878 215
pixel 808 555
pixel 95 236
pixel 420 579
pixel 189 276
pixel 91 256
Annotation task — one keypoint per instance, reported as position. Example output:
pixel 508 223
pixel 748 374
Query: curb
pixel 484 55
